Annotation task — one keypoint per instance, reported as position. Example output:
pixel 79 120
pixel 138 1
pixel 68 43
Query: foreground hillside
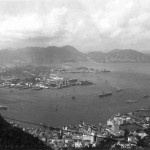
pixel 13 137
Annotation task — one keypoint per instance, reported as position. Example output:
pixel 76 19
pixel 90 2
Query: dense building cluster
pixel 34 78
pixel 128 131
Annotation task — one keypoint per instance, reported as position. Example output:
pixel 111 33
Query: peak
pixel 68 46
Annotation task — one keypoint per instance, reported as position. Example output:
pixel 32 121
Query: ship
pixel 37 88
pixel 73 97
pixel 24 88
pixel 119 90
pixel 105 70
pixel 3 107
pixel 105 94
pixel 131 101
pixel 143 109
pixel 146 96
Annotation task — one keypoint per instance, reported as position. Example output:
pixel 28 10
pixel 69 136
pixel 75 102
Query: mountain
pixel 54 54
pixel 120 56
pixel 41 55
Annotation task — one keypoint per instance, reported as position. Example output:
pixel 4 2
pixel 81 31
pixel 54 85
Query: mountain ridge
pixel 42 55
pixel 54 54
pixel 120 56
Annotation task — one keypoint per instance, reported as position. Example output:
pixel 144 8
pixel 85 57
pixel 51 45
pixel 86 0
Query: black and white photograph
pixel 74 74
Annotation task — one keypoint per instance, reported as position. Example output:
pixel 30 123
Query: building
pixel 88 138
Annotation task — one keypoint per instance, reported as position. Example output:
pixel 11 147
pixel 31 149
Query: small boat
pixel 131 101
pixel 105 94
pixel 73 97
pixel 24 88
pixel 119 90
pixel 37 88
pixel 146 96
pixel 143 109
pixel 105 70
pixel 3 107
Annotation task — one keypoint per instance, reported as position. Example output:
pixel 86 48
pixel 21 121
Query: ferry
pixel 105 94
pixel 3 107
pixel 131 101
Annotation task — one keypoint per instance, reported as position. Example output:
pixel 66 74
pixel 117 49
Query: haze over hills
pixel 53 54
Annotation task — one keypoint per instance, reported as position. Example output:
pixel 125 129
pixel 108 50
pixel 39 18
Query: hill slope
pixel 14 138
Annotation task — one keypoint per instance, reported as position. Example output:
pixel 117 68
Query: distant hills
pixel 53 54
pixel 120 56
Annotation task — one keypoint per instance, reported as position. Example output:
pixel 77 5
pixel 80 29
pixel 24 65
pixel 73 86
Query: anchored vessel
pixel 105 94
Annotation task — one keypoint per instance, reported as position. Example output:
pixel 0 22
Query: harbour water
pixel 56 106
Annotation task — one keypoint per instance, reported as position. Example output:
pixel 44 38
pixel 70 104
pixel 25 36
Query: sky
pixel 88 25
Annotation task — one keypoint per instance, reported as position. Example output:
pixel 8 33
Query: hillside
pixel 120 56
pixel 14 138
pixel 41 55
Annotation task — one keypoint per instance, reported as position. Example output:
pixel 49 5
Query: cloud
pixel 85 24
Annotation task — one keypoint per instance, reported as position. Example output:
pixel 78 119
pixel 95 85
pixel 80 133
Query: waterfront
pixel 48 106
